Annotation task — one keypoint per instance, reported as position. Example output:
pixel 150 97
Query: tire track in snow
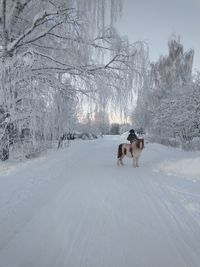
pixel 180 226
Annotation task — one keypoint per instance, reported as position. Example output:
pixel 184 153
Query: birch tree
pixel 168 104
pixel 42 43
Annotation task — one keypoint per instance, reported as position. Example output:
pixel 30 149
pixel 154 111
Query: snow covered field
pixel 75 207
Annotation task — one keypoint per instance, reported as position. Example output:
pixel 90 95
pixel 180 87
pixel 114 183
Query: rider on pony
pixel 132 136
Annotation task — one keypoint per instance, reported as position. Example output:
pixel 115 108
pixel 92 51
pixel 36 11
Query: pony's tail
pixel 119 154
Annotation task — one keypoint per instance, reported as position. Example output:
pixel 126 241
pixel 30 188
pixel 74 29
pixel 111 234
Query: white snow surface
pixel 187 167
pixel 74 207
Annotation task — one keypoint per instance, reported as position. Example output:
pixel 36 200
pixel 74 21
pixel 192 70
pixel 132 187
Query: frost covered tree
pixel 167 105
pixel 101 122
pixel 43 44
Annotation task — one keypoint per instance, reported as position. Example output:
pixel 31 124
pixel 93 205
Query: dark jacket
pixel 132 137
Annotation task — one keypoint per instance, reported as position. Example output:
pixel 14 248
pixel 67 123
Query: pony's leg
pixel 137 159
pixel 134 162
pixel 120 162
pixel 122 159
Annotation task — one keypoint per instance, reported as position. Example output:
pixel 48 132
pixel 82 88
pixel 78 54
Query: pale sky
pixel 154 21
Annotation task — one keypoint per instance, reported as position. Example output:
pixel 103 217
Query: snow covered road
pixel 76 208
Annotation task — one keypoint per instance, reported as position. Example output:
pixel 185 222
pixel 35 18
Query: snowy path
pixel 84 211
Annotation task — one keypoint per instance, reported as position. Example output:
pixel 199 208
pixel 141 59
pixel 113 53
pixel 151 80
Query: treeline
pixel 168 105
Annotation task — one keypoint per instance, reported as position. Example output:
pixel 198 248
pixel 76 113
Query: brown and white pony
pixel 132 150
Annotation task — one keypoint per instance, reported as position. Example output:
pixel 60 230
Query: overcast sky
pixel 155 20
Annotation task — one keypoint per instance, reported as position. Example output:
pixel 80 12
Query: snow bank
pixel 189 167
